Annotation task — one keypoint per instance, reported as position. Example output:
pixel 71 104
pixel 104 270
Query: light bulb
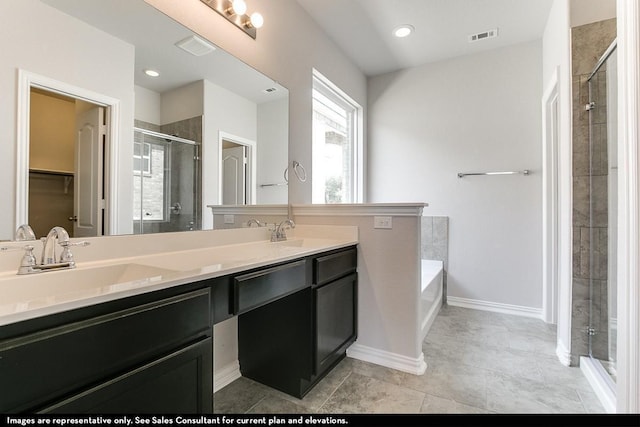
pixel 151 73
pixel 257 21
pixel 239 7
pixel 403 31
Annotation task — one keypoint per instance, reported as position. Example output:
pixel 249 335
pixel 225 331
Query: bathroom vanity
pixel 149 350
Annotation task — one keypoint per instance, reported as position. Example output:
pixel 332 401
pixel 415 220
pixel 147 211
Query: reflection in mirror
pixel 166 183
pixel 202 100
pixel 58 127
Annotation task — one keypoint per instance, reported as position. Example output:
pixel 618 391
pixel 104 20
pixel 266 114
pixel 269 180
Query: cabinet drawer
pixel 333 266
pixel 255 289
pixel 47 365
pixel 179 383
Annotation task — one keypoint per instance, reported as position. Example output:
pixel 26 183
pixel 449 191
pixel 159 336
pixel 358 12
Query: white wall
pixel 182 103
pixel 588 11
pixel 628 352
pixel 286 49
pixel 556 66
pixel 273 141
pixel 44 41
pixel 147 106
pixel 224 111
pixel 470 114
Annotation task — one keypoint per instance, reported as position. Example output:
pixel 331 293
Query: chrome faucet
pixel 49 248
pixel 279 234
pixel 24 233
pixel 48 260
pixel 253 221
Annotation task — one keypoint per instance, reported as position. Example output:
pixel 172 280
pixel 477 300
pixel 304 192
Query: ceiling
pixel 363 28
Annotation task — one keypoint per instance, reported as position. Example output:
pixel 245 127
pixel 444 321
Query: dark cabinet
pixel 292 343
pixel 174 384
pixel 78 365
pixel 152 353
pixel 275 343
pixel 335 302
pixel 256 289
pixel 335 306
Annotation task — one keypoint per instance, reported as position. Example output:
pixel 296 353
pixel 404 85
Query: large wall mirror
pixel 108 147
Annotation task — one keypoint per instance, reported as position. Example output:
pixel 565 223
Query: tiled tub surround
pixel 590 216
pixel 112 267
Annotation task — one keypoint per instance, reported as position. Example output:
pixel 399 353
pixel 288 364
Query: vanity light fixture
pixel 256 20
pixel 403 31
pixel 235 11
pixel 238 7
pixel 151 73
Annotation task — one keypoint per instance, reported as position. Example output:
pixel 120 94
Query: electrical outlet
pixel 229 219
pixel 382 222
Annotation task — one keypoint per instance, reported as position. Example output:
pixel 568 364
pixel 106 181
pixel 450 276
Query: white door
pixel 89 164
pixel 234 162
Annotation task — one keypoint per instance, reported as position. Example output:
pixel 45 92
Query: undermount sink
pixel 40 288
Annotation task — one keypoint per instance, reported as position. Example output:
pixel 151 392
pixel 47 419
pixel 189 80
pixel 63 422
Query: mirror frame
pixel 28 80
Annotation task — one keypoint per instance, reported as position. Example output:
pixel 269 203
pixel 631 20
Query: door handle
pixel 73 218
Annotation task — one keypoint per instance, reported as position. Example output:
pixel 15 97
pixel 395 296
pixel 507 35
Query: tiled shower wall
pixel 590 218
pixel 435 243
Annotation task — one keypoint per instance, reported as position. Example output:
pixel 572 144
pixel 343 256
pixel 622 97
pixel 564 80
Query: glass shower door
pixel 166 172
pixel 603 212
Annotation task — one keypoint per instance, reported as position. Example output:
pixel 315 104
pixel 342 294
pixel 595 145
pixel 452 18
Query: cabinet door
pixel 336 328
pixel 179 383
pixel 74 355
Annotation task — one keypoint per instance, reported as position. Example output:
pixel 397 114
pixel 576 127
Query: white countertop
pixel 35 295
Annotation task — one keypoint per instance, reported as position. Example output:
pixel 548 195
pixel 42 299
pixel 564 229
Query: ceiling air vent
pixel 489 34
pixel 195 46
pixel 270 89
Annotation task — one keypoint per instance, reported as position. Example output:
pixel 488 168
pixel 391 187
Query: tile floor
pixel 477 362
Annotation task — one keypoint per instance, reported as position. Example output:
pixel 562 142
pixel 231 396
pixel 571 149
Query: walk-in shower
pixel 166 183
pixel 602 230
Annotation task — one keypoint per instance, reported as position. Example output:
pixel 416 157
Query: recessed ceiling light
pixel 403 30
pixel 151 73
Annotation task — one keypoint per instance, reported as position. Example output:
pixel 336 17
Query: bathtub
pixel 431 295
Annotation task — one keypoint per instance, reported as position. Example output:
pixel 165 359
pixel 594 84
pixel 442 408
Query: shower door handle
pixel 176 208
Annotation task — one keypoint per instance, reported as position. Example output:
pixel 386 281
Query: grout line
pixel 333 392
pixel 255 404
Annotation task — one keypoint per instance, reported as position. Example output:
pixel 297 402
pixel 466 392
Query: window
pixel 151 179
pixel 337 145
pixel 141 158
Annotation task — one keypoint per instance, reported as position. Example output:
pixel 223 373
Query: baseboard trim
pixel 226 375
pixel 600 382
pixel 497 307
pixel 564 355
pixel 415 366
